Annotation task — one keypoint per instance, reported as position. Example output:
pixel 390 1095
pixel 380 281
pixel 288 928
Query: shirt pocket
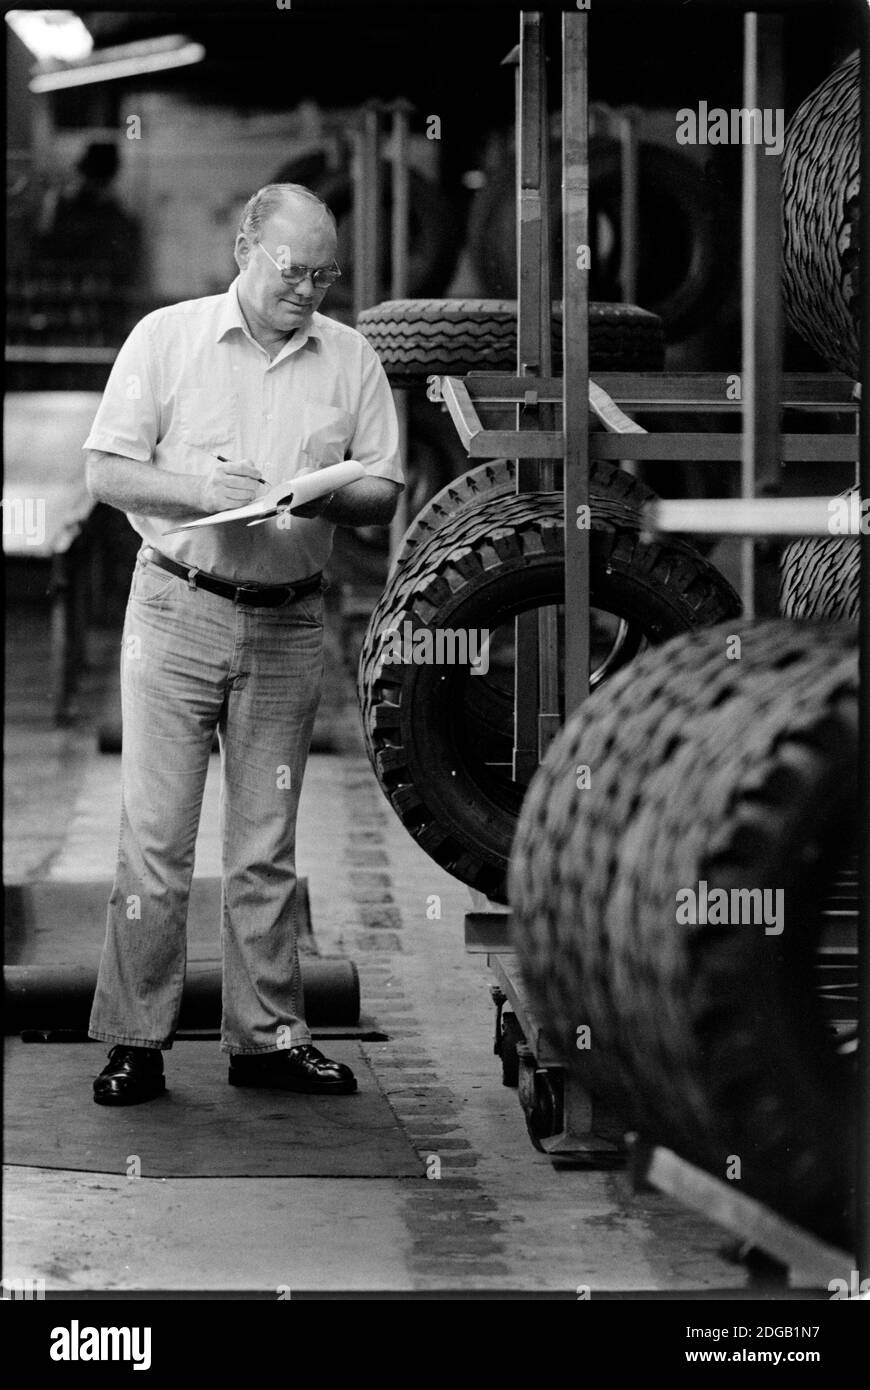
pixel 327 432
pixel 205 419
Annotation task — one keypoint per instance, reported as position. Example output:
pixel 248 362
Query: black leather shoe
pixel 133 1074
pixel 301 1068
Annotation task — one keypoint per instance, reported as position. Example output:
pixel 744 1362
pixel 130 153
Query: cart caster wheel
pixel 511 1038
pixel 540 1097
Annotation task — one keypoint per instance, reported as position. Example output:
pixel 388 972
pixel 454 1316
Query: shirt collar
pixel 230 316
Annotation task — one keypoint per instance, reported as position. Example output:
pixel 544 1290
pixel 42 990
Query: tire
pixel 416 338
pixel 493 560
pixel 820 577
pixel 687 234
pixel 742 774
pixel 489 709
pixel 496 477
pixel 820 186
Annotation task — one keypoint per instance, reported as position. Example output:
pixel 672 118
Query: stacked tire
pixel 439 737
pixel 416 338
pixel 688 232
pixel 821 181
pixel 820 576
pixel 722 760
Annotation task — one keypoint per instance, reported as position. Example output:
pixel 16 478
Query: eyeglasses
pixel 321 276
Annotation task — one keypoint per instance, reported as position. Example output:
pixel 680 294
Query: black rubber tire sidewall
pixel 456 796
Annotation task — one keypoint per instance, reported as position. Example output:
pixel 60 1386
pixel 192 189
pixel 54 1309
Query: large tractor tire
pixel 416 338
pixel 821 184
pixel 737 774
pixel 436 733
pixel 820 577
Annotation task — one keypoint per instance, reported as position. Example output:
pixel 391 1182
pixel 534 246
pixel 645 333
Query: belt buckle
pixel 246 589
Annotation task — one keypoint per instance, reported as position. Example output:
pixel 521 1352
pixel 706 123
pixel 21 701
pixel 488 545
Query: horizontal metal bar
pixel 52 356
pixel 697 447
pixel 721 448
pixel 670 390
pixel 517 444
pixel 737 516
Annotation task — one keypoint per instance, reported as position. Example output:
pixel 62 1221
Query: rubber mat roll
pixel 49 997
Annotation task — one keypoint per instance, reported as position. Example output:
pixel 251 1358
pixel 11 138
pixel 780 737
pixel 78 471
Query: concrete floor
pixel 500 1216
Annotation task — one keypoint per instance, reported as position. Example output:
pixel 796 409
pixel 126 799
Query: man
pixel 207 401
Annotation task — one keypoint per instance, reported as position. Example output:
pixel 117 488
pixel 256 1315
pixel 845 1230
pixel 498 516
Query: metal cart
pixel 537 419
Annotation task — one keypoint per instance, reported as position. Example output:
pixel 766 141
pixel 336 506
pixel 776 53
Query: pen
pixel 220 458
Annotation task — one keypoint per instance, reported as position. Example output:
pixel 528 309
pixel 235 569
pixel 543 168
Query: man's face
pixel 300 233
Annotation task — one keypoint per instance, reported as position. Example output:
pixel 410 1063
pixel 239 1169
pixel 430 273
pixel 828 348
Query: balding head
pixel 293 199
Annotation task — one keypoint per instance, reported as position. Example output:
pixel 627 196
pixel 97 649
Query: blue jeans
pixel 191 662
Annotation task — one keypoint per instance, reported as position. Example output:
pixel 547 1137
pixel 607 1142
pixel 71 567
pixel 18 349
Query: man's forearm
pixel 367 502
pixel 140 487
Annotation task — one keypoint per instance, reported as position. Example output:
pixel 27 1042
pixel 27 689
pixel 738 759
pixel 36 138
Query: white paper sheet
pixel 286 496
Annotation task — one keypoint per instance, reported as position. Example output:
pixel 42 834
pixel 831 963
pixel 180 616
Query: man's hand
pixel 230 485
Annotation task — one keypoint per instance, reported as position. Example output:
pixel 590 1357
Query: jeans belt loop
pixel 191 578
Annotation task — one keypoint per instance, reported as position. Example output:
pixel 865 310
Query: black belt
pixel 254 595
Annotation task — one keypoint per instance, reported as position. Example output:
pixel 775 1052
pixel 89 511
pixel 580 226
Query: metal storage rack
pixel 551 419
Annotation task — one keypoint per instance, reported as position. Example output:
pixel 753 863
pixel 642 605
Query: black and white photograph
pixel 436 527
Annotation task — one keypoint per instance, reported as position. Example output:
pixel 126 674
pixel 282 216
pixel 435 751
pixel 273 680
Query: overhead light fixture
pixel 123 60
pixel 57 34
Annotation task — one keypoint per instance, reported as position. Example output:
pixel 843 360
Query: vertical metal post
pixel 531 234
pixel 531 240
pixel 536 672
pixel 629 208
pixel 862 1243
pixel 399 284
pixel 762 296
pixel 575 350
pixel 549 715
pixel 358 225
pixel 366 210
pixel 401 199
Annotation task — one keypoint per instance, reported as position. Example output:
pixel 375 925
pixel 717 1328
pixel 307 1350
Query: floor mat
pixel 201 1127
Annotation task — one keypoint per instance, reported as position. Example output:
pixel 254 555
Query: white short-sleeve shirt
pixel 190 383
